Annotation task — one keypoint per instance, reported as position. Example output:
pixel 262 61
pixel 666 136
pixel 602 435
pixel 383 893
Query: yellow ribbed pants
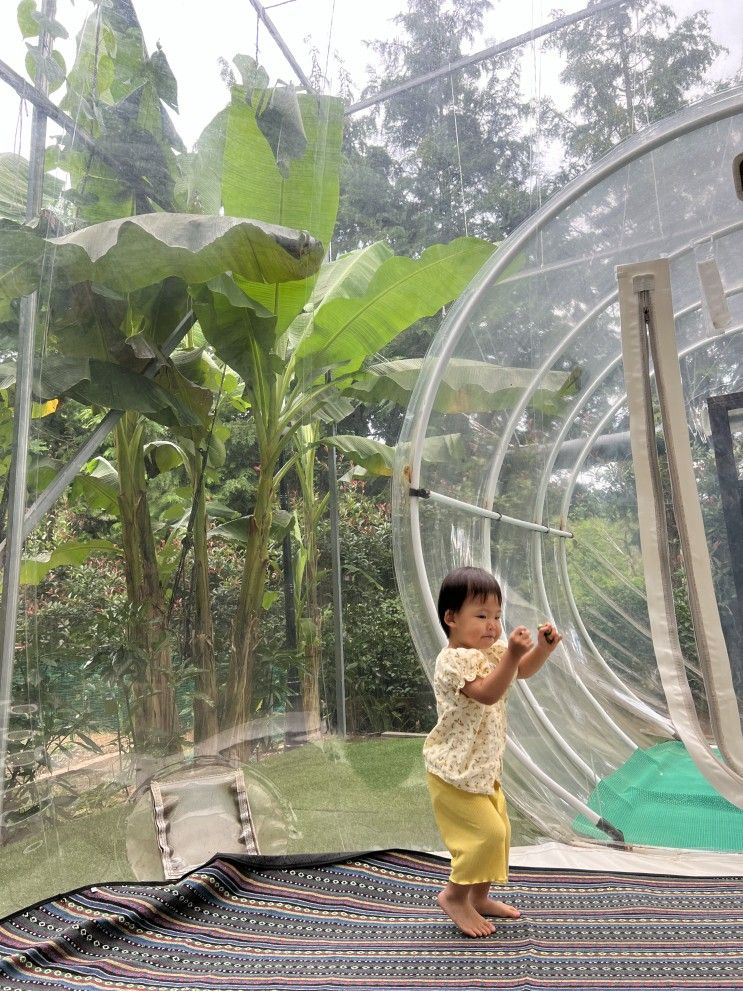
pixel 475 830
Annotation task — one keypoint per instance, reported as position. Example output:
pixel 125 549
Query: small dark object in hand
pixel 548 636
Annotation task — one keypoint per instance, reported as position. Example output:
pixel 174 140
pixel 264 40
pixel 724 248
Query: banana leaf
pixel 376 458
pixel 73 554
pixel 97 485
pixel 346 277
pixel 401 291
pixel 235 168
pixel 467 386
pixel 101 383
pixel 132 253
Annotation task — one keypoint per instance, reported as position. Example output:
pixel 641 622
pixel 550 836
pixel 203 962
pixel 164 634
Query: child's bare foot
pixel 464 916
pixel 489 906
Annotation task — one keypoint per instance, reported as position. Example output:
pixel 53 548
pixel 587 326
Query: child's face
pixel 476 624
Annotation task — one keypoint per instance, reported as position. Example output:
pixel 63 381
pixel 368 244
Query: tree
pixel 628 67
pixel 453 153
pixel 444 159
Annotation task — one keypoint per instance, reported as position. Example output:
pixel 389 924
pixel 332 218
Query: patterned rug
pixel 371 922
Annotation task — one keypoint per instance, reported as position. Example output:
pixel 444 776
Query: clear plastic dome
pixel 526 383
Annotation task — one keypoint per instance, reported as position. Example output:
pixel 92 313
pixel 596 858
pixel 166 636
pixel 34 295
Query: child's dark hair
pixel 462 584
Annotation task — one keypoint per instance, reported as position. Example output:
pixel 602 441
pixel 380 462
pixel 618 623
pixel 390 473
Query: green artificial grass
pixel 338 796
pixel 660 798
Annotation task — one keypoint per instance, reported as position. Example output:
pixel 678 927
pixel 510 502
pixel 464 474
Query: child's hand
pixel 519 642
pixel 548 637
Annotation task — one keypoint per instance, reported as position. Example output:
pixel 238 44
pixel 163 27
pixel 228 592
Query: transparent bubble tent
pixel 539 332
pixel 212 643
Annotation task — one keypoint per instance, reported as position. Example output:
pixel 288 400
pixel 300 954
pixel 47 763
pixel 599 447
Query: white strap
pixel 647 317
pixel 714 296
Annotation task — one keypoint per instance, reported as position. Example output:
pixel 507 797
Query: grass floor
pixel 63 855
pixel 341 796
pixel 358 795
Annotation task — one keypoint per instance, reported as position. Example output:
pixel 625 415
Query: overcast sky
pixel 194 41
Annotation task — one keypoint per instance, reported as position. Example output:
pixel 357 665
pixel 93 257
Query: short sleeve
pixel 457 666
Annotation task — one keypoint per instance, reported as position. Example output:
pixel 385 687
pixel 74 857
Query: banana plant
pixel 119 288
pixel 272 155
pixel 296 381
pixel 198 459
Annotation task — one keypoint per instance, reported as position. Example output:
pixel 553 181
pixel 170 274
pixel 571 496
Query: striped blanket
pixel 371 922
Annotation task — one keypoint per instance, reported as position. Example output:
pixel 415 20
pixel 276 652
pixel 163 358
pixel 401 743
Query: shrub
pixel 386 688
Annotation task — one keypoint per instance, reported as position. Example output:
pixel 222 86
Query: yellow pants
pixel 475 830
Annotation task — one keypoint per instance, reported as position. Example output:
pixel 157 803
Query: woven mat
pixel 371 922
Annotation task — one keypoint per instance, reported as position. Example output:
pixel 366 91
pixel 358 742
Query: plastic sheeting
pixel 539 432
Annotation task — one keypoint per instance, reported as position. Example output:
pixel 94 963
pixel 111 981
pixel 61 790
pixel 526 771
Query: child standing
pixel 463 753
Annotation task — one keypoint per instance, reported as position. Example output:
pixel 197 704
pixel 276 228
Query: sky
pixel 194 42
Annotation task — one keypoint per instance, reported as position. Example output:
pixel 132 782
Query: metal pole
pixel 287 560
pixel 296 729
pixel 486 53
pixel 21 423
pixel 286 51
pixel 468 507
pixel 335 566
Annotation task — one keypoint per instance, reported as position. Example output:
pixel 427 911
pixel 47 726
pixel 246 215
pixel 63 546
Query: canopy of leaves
pixel 445 158
pixel 627 68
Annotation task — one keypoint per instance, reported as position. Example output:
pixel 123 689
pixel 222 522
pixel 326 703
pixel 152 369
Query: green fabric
pixel 660 798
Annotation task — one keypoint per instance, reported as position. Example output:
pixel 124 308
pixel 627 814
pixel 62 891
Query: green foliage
pixel 42 61
pixel 298 189
pixel 448 157
pixel 128 254
pixel 626 69
pixel 401 291
pixel 386 687
pixel 467 386
pixel 14 187
pixel 71 554
pixel 374 457
pixel 115 91
pixel 57 710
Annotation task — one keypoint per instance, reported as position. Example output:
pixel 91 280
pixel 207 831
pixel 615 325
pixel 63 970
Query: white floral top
pixel 465 747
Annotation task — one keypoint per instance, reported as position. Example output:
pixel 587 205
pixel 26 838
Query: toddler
pixel 463 753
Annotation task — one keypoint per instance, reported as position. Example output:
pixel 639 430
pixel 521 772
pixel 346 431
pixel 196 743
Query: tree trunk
pixel 153 706
pixel 246 627
pixel 205 721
